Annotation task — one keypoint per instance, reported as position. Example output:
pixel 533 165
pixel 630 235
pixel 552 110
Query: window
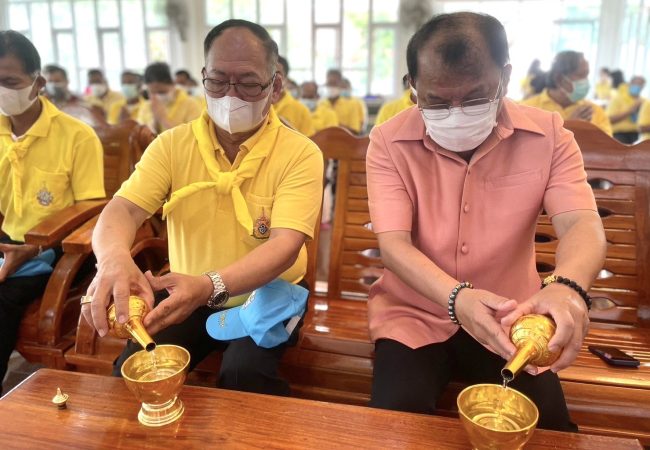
pixel 635 48
pixel 357 36
pixel 85 34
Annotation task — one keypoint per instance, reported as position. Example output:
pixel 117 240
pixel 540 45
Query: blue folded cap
pixel 262 316
pixel 39 265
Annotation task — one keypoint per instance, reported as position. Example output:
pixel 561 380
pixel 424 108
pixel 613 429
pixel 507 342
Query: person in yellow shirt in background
pixel 288 108
pixel 623 109
pixel 322 115
pixel 48 161
pixel 603 88
pixel 527 88
pixel 56 87
pixel 567 85
pixel 346 110
pixel 392 108
pixel 346 91
pixel 98 93
pixel 129 107
pixel 167 105
pixel 644 120
pixel 241 193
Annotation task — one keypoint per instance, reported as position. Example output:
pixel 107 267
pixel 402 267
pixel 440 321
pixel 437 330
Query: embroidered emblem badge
pixel 44 197
pixel 262 227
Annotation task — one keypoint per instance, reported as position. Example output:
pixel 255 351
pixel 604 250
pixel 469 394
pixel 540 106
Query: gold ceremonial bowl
pixel 496 418
pixel 156 378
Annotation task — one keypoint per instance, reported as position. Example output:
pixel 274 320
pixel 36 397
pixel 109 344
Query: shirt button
pixel 466 207
pixel 464 249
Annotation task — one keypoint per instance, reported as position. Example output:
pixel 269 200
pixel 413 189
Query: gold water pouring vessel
pixel 530 334
pixel 133 327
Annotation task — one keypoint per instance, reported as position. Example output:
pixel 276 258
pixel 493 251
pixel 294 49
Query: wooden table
pixel 102 413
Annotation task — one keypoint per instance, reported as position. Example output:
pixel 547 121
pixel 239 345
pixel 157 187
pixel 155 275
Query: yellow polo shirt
pixel 620 102
pixel 644 118
pixel 57 162
pixel 116 110
pixel 324 117
pixel 392 108
pixel 348 112
pixel 545 102
pixel 204 230
pixel 106 102
pixel 294 112
pixel 182 109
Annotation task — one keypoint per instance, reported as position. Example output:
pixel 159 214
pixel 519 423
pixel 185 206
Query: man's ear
pixel 39 84
pixel 507 71
pixel 278 83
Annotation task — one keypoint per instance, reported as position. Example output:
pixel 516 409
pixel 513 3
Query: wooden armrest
pixel 56 227
pixel 80 240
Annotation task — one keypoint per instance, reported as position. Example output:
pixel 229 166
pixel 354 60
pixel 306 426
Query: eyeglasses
pixel 475 107
pixel 221 87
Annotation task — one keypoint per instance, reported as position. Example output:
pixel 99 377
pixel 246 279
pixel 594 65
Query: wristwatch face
pixel 219 300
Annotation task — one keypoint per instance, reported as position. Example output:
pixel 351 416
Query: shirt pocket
pixel 260 208
pixel 515 193
pixel 46 190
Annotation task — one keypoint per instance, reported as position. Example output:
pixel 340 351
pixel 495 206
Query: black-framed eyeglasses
pixel 474 107
pixel 221 87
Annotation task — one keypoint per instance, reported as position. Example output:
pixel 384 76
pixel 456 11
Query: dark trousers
pixel 628 137
pixel 244 367
pixel 412 380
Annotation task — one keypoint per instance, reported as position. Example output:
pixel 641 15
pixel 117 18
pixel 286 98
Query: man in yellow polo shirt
pixel 241 193
pixel 567 86
pixel 129 107
pixel 48 161
pixel 623 110
pixel 346 109
pixel 99 93
pixel 290 109
pixel 322 115
pixel 392 108
pixel 168 106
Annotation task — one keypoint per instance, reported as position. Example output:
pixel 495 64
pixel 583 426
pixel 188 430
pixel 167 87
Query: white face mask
pixel 167 98
pixel 235 115
pixel 98 89
pixel 14 102
pixel 332 91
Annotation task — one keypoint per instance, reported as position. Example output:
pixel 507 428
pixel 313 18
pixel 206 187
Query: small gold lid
pixel 60 398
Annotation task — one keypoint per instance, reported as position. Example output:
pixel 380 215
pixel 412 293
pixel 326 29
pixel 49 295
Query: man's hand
pixel 479 312
pixel 570 314
pixel 187 293
pixel 635 107
pixel 582 112
pixel 15 256
pixel 158 109
pixel 120 278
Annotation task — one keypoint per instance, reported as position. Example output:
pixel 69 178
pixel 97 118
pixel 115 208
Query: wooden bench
pixel 48 327
pixel 334 359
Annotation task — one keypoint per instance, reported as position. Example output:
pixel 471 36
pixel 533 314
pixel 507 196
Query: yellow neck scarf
pixel 224 183
pixel 14 157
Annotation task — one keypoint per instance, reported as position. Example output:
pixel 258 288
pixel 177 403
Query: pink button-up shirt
pixel 475 221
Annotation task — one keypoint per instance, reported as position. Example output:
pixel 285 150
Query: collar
pixel 41 127
pixel 511 118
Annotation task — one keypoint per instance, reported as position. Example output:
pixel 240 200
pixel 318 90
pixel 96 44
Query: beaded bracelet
pixel 572 284
pixel 452 300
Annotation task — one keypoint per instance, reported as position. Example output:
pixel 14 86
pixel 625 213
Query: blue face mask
pixel 580 90
pixel 635 90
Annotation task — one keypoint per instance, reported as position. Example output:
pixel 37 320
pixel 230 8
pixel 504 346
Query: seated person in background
pixel 48 161
pixel 455 188
pixel 623 110
pixel 392 108
pixel 98 93
pixel 167 105
pixel 527 88
pixel 56 87
pixel 241 193
pixel 567 85
pixel 603 88
pixel 346 91
pixel 288 108
pixel 129 107
pixel 346 110
pixel 183 80
pixel 644 120
pixel 322 115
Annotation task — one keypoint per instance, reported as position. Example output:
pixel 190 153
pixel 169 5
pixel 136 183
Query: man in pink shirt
pixel 455 187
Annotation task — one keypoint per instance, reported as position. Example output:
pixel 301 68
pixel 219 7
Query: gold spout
pixel 133 327
pixel 530 334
